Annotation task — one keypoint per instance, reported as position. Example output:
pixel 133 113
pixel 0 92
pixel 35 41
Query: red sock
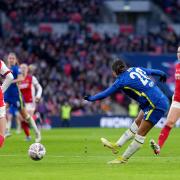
pixel 163 135
pixel 1 140
pixel 25 127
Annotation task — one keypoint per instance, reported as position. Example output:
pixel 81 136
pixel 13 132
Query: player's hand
pixel 163 78
pixel 87 97
pixel 37 99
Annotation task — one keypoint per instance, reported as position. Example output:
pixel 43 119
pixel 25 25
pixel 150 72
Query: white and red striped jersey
pixel 28 87
pixel 6 73
pixel 177 83
pixel 4 70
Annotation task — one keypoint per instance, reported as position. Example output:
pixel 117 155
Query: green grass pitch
pixel 77 154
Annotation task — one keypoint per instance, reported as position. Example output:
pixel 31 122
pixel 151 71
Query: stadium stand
pixel 171 7
pixel 57 11
pixel 74 63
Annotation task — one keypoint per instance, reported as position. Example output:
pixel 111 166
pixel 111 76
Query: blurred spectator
pixel 65 114
pixel 73 64
pixel 170 7
pixel 133 109
pixel 53 11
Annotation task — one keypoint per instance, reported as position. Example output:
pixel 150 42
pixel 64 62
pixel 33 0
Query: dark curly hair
pixel 119 66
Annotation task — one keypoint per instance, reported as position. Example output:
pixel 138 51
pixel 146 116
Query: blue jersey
pixel 13 88
pixel 12 95
pixel 136 83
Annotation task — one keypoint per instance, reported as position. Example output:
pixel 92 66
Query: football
pixel 36 151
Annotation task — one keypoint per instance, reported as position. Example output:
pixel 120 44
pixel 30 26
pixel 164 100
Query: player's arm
pixel 38 88
pixel 6 73
pixel 107 92
pixel 19 78
pixel 156 72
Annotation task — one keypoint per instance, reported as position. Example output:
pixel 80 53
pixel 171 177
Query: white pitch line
pixel 91 156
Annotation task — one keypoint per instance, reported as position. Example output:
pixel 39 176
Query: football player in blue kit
pixel 136 83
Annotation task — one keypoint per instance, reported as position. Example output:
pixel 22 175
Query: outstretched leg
pixel 130 133
pixel 126 136
pixel 2 125
pixel 173 116
pixel 136 144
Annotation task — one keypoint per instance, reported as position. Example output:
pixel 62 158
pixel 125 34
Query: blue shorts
pixel 13 111
pixel 154 114
pixel 16 102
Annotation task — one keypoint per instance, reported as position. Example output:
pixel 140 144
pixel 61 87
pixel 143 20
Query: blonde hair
pixel 14 54
pixel 32 68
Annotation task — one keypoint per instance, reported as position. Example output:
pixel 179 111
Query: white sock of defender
pixel 18 125
pixel 8 125
pixel 128 134
pixel 134 146
pixel 33 124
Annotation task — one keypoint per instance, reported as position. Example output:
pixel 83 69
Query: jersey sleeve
pixel 4 70
pixel 107 92
pixel 6 73
pixel 154 72
pixel 38 87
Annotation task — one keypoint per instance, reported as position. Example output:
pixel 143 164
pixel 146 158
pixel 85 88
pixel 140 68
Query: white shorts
pixel 2 111
pixel 30 106
pixel 175 104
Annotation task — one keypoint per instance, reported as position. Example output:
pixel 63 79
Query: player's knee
pixel 138 121
pixel 140 139
pixel 134 127
pixel 170 124
pixel 24 114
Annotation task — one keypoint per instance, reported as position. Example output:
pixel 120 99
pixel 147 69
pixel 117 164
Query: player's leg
pixel 18 122
pixel 136 144
pixel 9 118
pixel 29 119
pixel 130 133
pixel 25 127
pixel 139 139
pixel 2 125
pixel 150 119
pixel 173 116
pixel 126 136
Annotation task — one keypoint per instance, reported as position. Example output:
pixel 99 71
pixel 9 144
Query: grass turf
pixel 77 154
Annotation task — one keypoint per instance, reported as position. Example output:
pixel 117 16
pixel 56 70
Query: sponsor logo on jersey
pixel 151 84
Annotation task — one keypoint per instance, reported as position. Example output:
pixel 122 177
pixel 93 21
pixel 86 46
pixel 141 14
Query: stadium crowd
pixel 73 64
pixel 54 11
pixel 170 7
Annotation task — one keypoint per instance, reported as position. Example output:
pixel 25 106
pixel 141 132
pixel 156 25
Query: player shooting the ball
pixel 136 83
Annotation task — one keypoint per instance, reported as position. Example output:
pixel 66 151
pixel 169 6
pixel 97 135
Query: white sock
pixel 8 125
pixel 129 134
pixel 18 125
pixel 134 146
pixel 33 124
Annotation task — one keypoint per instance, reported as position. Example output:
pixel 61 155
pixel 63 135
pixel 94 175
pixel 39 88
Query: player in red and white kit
pixel 6 73
pixel 31 91
pixel 174 112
